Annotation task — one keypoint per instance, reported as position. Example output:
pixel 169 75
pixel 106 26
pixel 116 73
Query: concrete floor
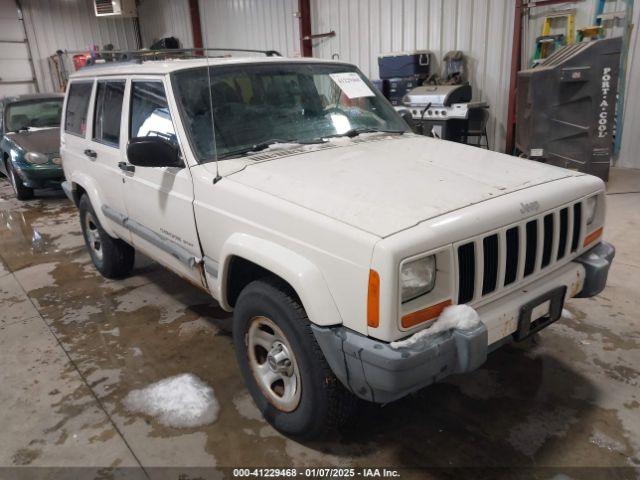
pixel 73 344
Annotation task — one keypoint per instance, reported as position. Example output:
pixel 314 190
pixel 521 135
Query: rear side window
pixel 106 124
pixel 150 116
pixel 77 104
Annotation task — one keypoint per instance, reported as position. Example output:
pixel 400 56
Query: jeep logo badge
pixel 529 207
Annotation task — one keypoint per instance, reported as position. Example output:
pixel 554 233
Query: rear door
pixel 160 199
pixel 107 147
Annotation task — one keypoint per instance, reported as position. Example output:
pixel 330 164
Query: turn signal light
pixel 593 236
pixel 373 300
pixel 424 315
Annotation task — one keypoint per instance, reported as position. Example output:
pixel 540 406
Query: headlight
pixel 591 207
pixel 417 278
pixel 37 158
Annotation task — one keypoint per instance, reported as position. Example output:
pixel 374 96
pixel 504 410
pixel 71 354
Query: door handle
pixel 91 154
pixel 126 167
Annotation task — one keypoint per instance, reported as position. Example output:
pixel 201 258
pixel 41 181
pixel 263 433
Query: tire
pixel 112 257
pixel 22 192
pixel 321 403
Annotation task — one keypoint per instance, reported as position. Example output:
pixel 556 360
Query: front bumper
pixel 40 176
pixel 374 371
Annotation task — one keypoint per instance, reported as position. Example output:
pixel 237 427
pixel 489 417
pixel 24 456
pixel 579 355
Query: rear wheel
pixel 283 367
pixel 22 192
pixel 111 256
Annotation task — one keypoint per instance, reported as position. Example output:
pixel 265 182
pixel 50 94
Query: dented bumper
pixel 374 371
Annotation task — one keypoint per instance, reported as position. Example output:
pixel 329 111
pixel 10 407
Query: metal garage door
pixel 16 69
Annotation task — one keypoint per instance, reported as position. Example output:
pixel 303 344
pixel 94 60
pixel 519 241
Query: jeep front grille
pixel 509 255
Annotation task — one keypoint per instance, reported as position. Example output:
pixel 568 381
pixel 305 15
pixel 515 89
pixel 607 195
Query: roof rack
pixel 139 56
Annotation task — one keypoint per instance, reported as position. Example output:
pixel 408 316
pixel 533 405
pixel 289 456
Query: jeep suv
pixel 292 191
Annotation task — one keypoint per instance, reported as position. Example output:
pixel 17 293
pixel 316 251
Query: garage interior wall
pixel 628 156
pixel 482 29
pixel 16 72
pixel 70 25
pixel 165 18
pixel 258 24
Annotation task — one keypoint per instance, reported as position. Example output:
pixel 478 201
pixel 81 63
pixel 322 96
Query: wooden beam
pixel 516 58
pixel 304 15
pixel 196 25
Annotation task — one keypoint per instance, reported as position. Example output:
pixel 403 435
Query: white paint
pixel 461 317
pixel 389 178
pixel 183 401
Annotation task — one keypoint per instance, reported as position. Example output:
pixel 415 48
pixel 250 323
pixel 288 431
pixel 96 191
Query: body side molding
pixel 160 241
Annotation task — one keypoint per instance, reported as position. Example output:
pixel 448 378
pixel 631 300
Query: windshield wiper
pixel 263 146
pixel 354 132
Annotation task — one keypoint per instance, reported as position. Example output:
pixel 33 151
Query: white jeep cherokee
pixel 292 191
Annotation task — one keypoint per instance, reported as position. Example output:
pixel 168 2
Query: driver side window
pixel 150 116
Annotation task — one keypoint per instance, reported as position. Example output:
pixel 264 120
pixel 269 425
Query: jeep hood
pixel 385 186
pixel 41 140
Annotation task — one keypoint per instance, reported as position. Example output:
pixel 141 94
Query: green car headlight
pixel 36 158
pixel 417 278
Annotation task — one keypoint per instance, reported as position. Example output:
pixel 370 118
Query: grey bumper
pixel 596 263
pixel 376 372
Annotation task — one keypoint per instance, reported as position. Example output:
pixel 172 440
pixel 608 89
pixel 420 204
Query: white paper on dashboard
pixel 352 85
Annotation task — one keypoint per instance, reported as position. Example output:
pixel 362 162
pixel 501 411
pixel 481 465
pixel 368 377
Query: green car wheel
pixel 22 192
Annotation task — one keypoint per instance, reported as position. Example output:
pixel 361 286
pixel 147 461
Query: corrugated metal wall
pixel 629 156
pixel 482 29
pixel 165 18
pixel 258 24
pixel 364 28
pixel 70 25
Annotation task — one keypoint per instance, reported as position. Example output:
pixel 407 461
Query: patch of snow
pixel 462 317
pixel 136 351
pixel 182 401
pixel 567 314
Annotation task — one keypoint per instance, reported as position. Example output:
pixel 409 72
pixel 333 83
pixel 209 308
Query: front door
pixel 159 200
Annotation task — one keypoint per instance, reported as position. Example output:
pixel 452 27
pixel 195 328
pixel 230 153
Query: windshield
pixel 33 113
pixel 255 106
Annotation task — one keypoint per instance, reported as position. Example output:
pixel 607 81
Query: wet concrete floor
pixel 73 345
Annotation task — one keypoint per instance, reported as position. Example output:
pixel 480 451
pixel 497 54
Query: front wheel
pixel 22 191
pixel 283 367
pixel 111 256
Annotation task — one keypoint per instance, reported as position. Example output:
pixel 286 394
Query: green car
pixel 30 145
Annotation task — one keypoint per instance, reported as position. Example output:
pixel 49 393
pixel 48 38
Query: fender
pixel 88 183
pixel 305 278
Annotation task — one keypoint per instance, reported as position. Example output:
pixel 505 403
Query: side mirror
pixel 153 152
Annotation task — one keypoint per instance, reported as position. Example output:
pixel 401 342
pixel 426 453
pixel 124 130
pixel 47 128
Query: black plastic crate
pixel 396 65
pixel 396 88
